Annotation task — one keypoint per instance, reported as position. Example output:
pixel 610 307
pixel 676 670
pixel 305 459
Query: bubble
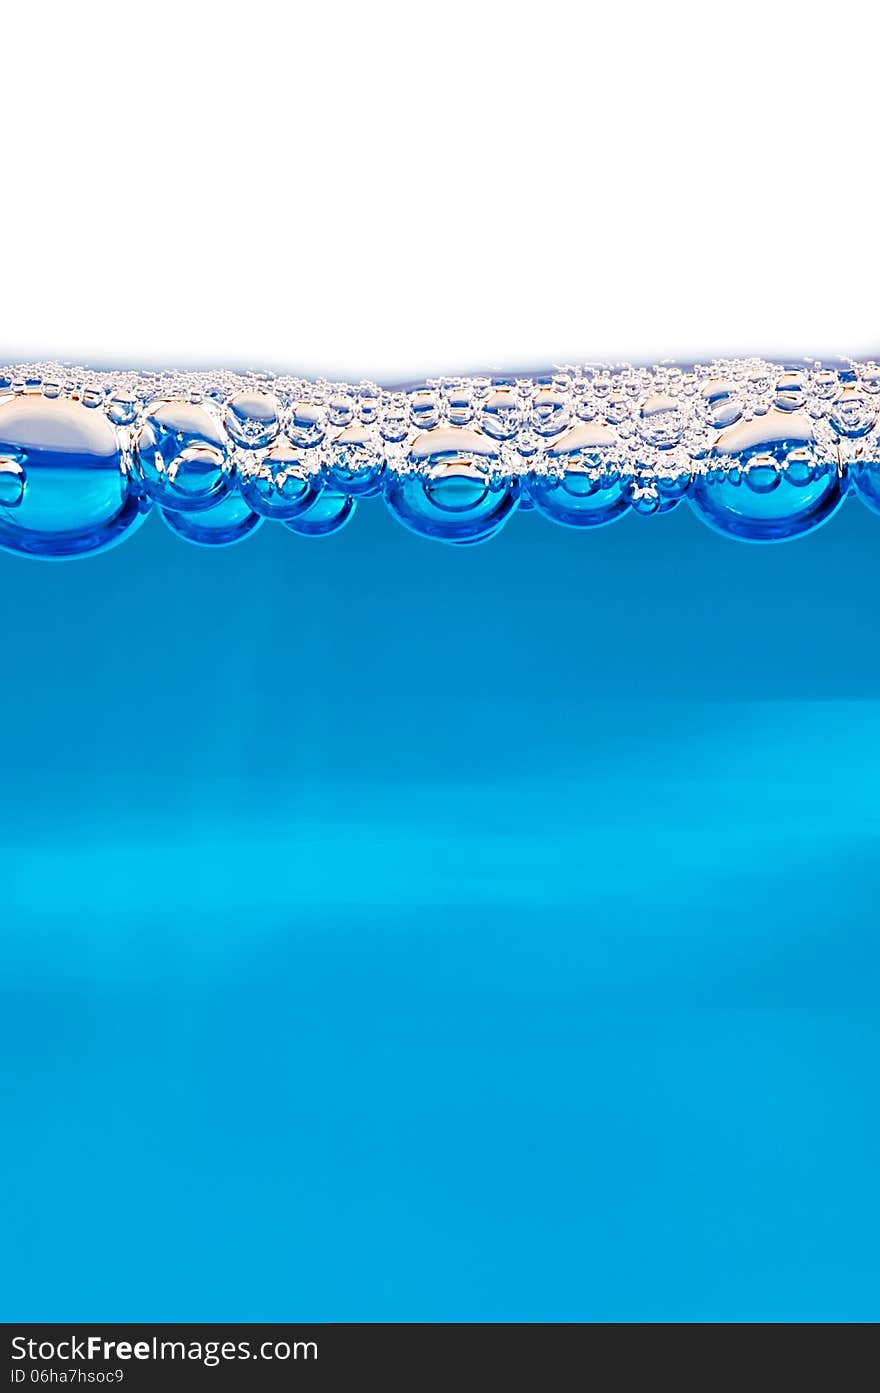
pixel 252 419
pixel 825 384
pixel 654 494
pixel 800 467
pixel 64 488
pixel 229 521
pixel 528 445
pixel 452 488
pixel 369 403
pixel 869 377
pixel 424 410
pixel 500 414
pixel 762 474
pixel 306 425
pixel 182 457
pixel 616 410
pixel 790 393
pixel 550 413
pixel 661 421
pixel 865 477
pixel 394 425
pixel 853 414
pixel 122 409
pixel 580 444
pixel 786 487
pixel 340 409
pixel 329 513
pixel 460 405
pixel 719 402
pixel 584 487
pixel 356 463
pixel 281 484
pixel 12 479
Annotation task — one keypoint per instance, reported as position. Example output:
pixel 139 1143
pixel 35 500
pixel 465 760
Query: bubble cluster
pixel 761 451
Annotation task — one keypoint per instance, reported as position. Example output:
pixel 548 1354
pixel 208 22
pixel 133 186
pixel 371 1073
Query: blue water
pixel 396 931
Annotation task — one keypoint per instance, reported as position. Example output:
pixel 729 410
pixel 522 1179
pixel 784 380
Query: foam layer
pixel 761 450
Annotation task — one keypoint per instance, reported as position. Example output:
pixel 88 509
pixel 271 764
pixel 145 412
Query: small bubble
pixel 661 421
pixel 720 404
pixel 762 475
pixel 549 412
pixel 791 391
pixel 394 423
pixel 306 425
pixel 460 407
pixel 369 404
pixel 825 384
pixel 12 480
pixel 329 513
pixel 424 410
pixel 122 409
pixel 617 409
pixel 499 415
pixel 655 494
pixel 870 378
pixel 800 467
pixel 853 414
pixel 355 462
pixel 340 410
pixel 252 419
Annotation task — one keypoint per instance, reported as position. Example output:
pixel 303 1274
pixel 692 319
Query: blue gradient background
pixel 397 932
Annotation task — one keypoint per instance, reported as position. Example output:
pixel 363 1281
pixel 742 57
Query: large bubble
pixel 768 479
pixel 329 512
pixel 583 486
pixel 65 489
pixel 283 483
pixel 229 521
pixel 183 458
pixel 453 487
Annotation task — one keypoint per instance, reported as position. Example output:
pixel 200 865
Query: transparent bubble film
pixel 761 451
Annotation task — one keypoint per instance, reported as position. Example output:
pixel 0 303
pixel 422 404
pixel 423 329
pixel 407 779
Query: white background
pixel 387 189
